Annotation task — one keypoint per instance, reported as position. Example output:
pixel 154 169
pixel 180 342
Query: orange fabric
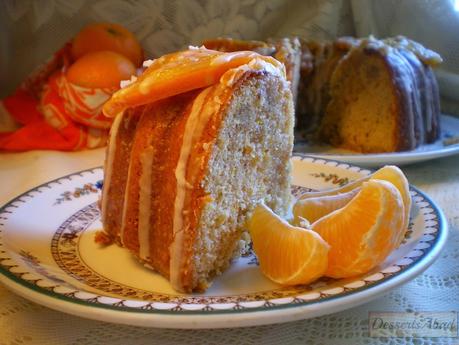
pixel 55 114
pixel 80 104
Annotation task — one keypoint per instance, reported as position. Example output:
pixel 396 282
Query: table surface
pixel 437 289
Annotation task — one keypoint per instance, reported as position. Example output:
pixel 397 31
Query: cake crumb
pixel 102 238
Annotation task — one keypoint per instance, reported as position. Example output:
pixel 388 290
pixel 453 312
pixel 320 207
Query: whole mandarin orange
pixel 100 70
pixel 107 36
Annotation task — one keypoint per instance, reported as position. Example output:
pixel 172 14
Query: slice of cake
pixel 198 141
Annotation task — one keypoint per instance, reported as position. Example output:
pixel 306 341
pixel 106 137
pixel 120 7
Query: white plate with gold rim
pixel 48 255
pixel 447 145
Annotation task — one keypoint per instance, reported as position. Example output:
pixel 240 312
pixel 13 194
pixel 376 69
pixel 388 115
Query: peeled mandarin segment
pixel 364 232
pixel 394 175
pixel 315 208
pixel 178 73
pixel 388 173
pixel 335 191
pixel 288 255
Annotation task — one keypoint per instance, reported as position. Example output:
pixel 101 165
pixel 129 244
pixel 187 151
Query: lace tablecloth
pixel 24 322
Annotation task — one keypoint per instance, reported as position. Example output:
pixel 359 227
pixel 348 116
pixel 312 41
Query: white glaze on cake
pixel 109 163
pixel 257 64
pixel 225 58
pixel 193 130
pixel 146 160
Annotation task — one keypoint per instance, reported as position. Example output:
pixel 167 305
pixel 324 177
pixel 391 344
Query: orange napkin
pixel 55 114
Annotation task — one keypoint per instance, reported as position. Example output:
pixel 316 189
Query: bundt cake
pixel 199 139
pixel 369 95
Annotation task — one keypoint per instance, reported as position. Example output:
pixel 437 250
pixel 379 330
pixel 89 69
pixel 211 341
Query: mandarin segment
pixel 313 209
pixel 394 175
pixel 364 232
pixel 388 173
pixel 288 255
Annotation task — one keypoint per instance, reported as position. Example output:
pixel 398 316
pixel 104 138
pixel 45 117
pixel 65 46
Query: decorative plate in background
pixel 447 145
pixel 48 255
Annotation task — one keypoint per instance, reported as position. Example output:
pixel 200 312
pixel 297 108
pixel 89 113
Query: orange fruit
pixel 178 73
pixel 288 255
pixel 102 69
pixel 315 208
pixel 107 36
pixel 365 231
pixel 388 173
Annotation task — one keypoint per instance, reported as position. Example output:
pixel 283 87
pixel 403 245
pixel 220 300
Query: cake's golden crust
pixel 116 187
pixel 142 139
pixel 175 112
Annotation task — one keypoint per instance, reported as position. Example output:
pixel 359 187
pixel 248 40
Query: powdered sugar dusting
pixel 125 83
pixel 147 63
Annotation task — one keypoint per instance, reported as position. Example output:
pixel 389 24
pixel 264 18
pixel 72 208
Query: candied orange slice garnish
pixel 178 73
